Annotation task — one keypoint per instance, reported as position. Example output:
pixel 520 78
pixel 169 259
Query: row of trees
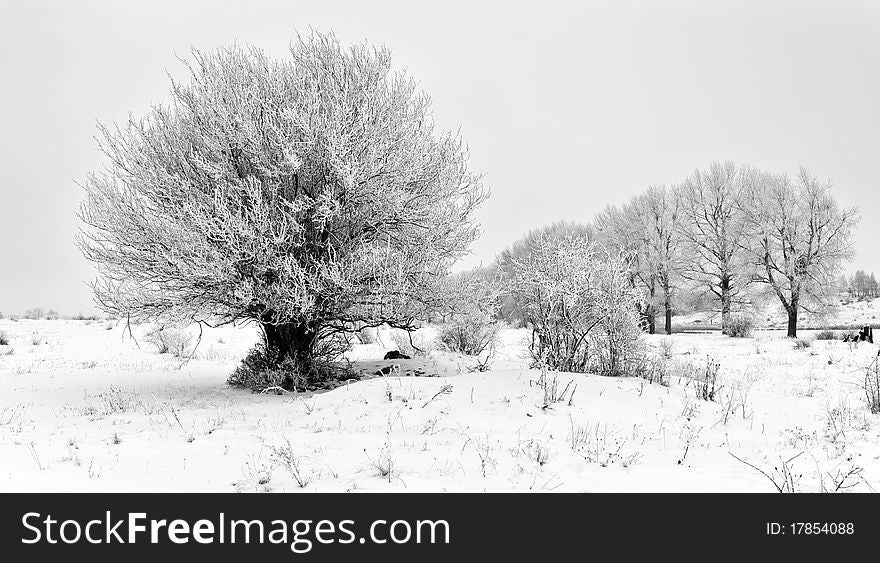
pixel 723 237
pixel 860 285
pixel 723 230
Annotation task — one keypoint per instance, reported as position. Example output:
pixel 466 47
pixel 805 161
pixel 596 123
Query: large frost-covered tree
pixel 308 194
pixel 713 229
pixel 798 236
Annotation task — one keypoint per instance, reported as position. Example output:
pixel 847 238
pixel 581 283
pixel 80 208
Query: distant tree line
pixel 860 285
pixel 721 237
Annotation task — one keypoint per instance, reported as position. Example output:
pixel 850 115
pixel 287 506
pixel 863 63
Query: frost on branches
pixel 581 304
pixel 307 194
pixel 799 238
pixel 470 324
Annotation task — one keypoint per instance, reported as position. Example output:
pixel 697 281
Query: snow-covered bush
pixel 260 371
pixel 412 343
pixel 367 335
pixel 34 313
pixel 655 369
pixel 4 340
pixel 472 307
pixel 827 335
pixel 580 304
pixel 472 333
pixel 705 379
pixel 510 306
pixel 741 326
pixel 264 369
pixel 173 341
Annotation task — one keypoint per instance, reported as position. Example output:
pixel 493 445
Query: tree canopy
pixel 305 193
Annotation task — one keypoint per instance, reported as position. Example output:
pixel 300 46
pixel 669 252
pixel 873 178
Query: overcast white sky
pixel 567 106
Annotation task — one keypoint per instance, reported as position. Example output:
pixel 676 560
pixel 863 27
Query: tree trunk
pixel 652 319
pixel 291 343
pixel 668 326
pixel 792 321
pixel 725 305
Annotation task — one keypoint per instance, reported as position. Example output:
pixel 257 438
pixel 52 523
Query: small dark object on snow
pixel 395 355
pixel 384 371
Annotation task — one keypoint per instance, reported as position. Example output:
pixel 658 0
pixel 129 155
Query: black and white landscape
pixel 374 246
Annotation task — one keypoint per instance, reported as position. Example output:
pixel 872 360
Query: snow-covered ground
pixel 844 312
pixel 83 408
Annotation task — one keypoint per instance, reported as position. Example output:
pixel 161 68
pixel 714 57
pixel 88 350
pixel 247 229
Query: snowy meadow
pixel 93 406
pixel 280 252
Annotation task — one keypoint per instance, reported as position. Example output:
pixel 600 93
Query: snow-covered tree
pixel 510 306
pixel 798 236
pixel 714 235
pixel 307 194
pixel 861 285
pixel 579 303
pixel 648 228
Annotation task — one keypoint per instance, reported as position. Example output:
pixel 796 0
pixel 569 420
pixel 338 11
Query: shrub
pixel 258 372
pixel 471 334
pixel 654 370
pixel 80 316
pixel 741 326
pixel 511 304
pixel 470 313
pixel 705 379
pixel 261 371
pixel 801 344
pixel 411 343
pixel 827 335
pixel 4 339
pixel 170 341
pixel 582 309
pixel 667 346
pixel 34 313
pixel 52 315
pixel 367 335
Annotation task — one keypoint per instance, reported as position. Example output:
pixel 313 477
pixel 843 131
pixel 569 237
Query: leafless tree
pixel 798 236
pixel 306 194
pixel 861 285
pixel 714 235
pixel 617 230
pixel 648 227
